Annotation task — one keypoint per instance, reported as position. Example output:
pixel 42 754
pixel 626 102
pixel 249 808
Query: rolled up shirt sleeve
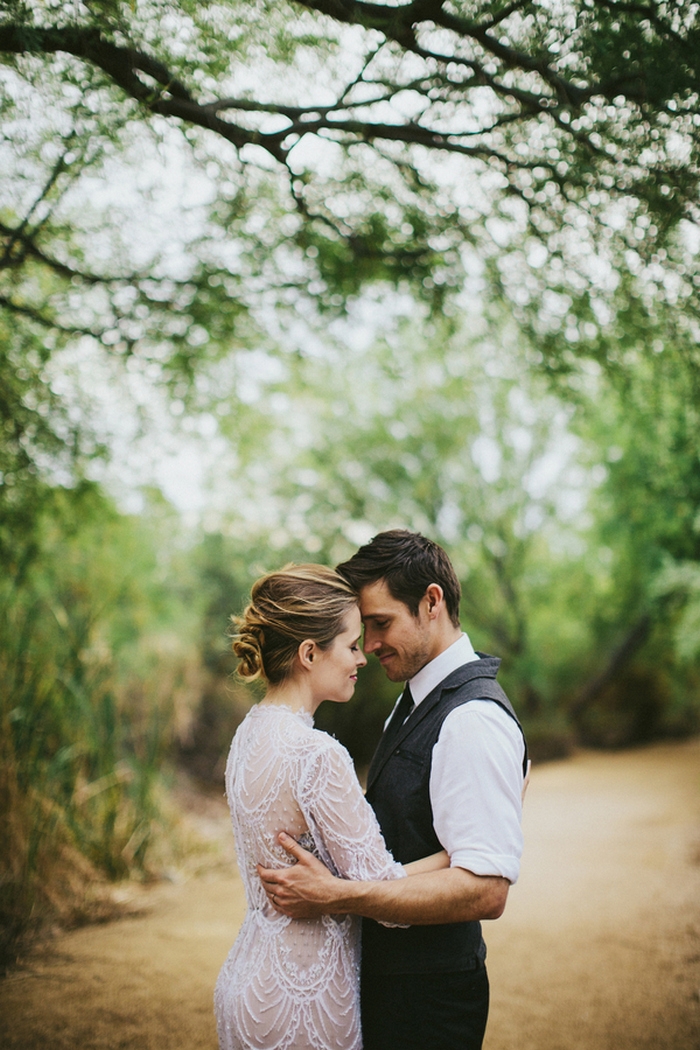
pixel 475 789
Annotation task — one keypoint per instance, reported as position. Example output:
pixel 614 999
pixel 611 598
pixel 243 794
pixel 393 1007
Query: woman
pixel 294 983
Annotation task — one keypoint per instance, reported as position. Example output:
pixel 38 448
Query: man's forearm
pixel 307 889
pixel 450 895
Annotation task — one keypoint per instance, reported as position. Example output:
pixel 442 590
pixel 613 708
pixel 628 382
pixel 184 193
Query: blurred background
pixel 276 277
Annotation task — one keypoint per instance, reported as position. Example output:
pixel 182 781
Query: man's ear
pixel 435 598
pixel 307 652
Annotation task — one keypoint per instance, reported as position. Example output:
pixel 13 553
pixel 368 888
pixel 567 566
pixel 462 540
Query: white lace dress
pixel 290 983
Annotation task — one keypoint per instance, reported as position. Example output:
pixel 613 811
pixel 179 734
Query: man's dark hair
pixel 408 563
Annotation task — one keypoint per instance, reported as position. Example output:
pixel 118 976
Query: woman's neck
pixel 290 694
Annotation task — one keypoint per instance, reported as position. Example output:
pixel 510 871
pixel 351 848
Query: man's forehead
pixel 377 601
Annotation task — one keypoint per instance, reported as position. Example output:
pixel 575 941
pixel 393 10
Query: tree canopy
pixel 583 91
pixel 387 136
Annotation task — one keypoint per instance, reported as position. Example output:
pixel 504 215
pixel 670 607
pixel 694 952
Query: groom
pixel 447 773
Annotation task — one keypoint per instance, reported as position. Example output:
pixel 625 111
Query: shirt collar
pixel 456 655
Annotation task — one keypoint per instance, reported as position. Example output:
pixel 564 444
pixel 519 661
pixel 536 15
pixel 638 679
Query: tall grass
pixel 87 695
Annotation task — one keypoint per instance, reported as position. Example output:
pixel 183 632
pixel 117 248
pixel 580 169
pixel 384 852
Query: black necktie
pixel 404 708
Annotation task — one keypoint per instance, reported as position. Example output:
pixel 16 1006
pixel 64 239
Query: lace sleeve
pixel 342 821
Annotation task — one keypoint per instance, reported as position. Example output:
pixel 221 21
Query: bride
pixel 293 984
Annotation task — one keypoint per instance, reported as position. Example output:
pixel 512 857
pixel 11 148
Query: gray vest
pixel 398 790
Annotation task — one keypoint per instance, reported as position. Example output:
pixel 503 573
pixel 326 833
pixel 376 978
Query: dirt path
pixel 599 948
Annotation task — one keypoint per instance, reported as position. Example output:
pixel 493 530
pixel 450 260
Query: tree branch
pixel 622 654
pixel 122 65
pixel 398 24
pixel 46 322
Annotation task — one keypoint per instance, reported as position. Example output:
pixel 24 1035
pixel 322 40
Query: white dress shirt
pixel 476 777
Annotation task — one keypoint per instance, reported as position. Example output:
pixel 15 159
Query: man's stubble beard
pixel 410 664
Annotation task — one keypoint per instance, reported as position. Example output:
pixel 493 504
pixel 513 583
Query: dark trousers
pixel 418 1011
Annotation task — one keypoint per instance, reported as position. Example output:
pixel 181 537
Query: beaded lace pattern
pixel 291 983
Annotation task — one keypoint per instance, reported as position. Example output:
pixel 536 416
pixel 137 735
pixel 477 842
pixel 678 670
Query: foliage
pixel 681 581
pixel 641 423
pixel 345 145
pixel 196 195
pixel 435 427
pixel 314 150
pixel 553 100
pixel 92 680
pixel 224 572
pixel 559 511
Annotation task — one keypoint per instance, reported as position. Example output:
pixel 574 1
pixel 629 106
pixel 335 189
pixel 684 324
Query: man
pixel 448 772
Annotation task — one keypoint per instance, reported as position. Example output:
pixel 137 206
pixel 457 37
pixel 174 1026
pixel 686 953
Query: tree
pixel 411 431
pixel 429 119
pixel 643 425
pixel 572 519
pixel 557 147
pixel 337 146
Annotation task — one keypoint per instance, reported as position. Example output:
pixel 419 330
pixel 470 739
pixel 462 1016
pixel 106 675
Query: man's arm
pixel 435 862
pixel 476 783
pixel 307 889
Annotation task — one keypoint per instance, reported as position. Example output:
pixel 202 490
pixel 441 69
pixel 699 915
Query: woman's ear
pixel 307 653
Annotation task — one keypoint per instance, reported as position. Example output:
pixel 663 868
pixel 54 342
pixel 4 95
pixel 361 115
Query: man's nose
pixel 370 642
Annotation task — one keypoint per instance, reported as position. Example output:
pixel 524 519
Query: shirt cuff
pixel 486 864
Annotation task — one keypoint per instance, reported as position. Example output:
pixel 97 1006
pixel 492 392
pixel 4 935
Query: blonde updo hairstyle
pixel 286 608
